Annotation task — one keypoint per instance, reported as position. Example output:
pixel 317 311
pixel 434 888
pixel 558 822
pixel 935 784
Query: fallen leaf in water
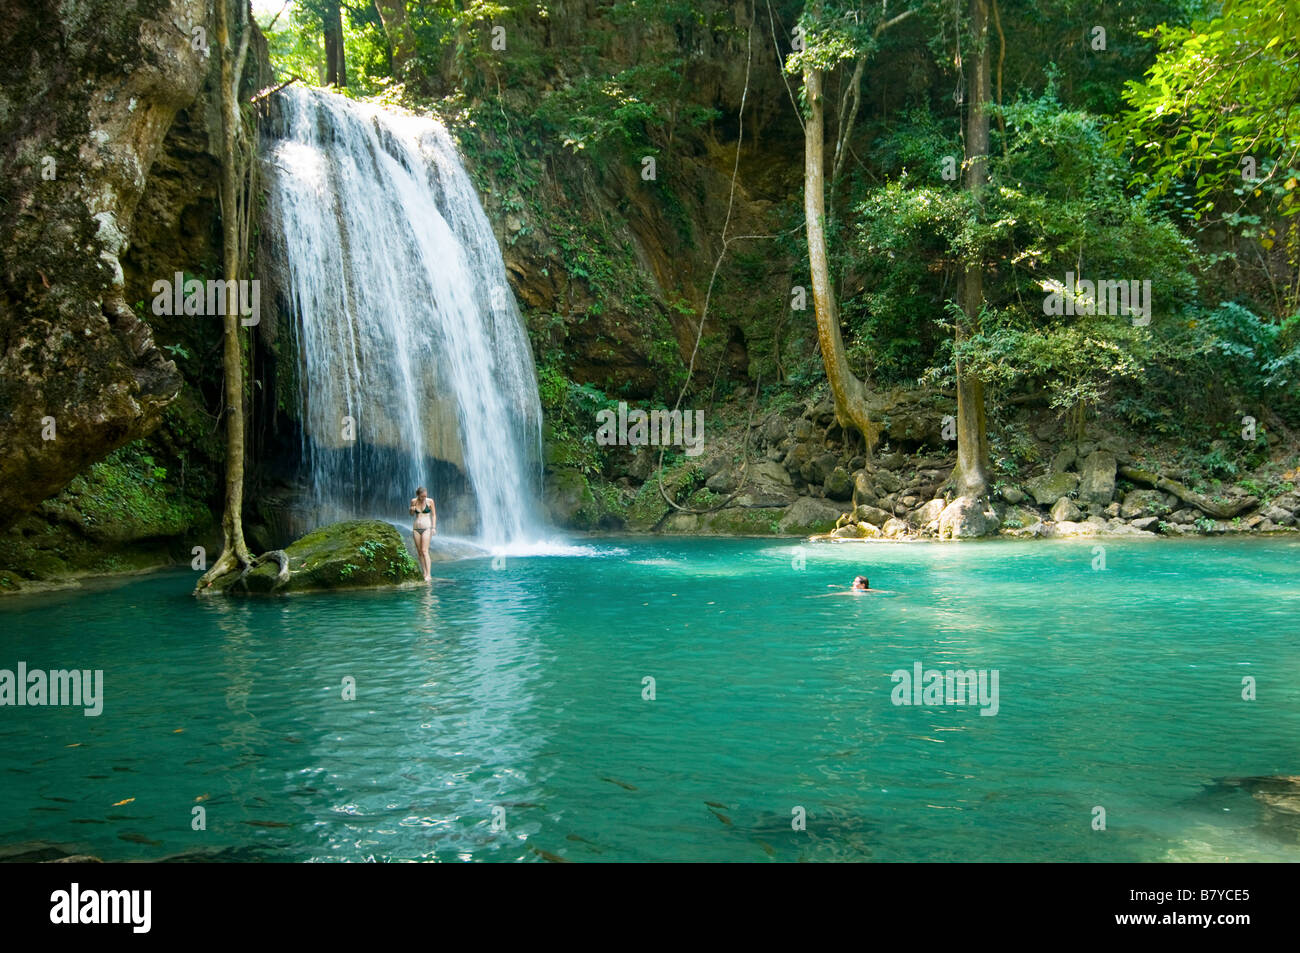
pixel 622 784
pixel 714 804
pixel 120 803
pixel 202 797
pixel 178 731
pixel 77 745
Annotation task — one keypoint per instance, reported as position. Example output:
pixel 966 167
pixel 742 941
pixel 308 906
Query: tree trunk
pixel 392 14
pixel 849 392
pixel 336 71
pixel 970 476
pixel 234 551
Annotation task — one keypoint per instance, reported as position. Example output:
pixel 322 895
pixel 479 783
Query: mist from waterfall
pixel 415 365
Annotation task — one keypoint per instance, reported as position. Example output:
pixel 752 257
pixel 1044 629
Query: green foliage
pixel 296 45
pixel 126 495
pixel 1188 144
pixel 1056 203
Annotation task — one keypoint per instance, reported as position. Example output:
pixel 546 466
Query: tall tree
pixel 336 70
pixel 970 476
pixel 848 390
pixel 853 404
pixel 401 41
pixel 236 166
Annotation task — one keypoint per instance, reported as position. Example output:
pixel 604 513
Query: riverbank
pixel 787 468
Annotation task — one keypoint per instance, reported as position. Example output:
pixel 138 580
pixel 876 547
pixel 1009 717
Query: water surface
pixel 514 696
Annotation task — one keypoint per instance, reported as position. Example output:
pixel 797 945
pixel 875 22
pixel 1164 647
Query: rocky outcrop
pixel 359 554
pixel 569 500
pixel 1144 503
pixel 1097 477
pixel 1050 487
pixel 1064 511
pixel 1219 509
pixel 809 515
pixel 88 95
pixel 966 518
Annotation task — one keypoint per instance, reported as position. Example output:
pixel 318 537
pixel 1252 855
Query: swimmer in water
pixel 860 584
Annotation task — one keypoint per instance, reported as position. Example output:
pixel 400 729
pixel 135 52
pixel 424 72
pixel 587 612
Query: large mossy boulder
pixel 358 554
pixel 809 515
pixel 1050 487
pixel 568 498
pixel 740 521
pixel 1097 479
pixel 1140 503
pixel 967 518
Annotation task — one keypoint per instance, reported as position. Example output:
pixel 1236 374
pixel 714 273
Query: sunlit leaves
pixel 1221 90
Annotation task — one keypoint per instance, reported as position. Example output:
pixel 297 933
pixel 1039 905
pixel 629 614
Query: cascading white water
pixel 408 332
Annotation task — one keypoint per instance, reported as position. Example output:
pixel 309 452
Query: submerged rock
pixel 1277 795
pixel 358 554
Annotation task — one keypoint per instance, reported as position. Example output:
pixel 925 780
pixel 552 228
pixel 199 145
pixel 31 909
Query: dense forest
pixel 651 430
pixel 926 268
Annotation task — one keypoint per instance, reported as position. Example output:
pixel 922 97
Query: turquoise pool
pixel 503 715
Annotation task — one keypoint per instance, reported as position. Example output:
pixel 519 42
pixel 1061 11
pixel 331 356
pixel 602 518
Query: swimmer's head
pixel 860 582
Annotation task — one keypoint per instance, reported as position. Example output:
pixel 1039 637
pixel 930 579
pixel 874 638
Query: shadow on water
pixel 1270 804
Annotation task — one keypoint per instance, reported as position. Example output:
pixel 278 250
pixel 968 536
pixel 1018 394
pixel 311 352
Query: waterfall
pixel 415 368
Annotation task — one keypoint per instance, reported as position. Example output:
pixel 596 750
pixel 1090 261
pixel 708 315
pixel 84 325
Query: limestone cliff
pixel 89 95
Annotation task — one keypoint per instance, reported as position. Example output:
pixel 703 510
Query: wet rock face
pixel 89 91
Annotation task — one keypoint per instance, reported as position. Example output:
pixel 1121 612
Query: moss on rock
pixel 358 554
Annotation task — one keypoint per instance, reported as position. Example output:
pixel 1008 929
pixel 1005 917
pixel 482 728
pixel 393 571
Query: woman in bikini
pixel 426 524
